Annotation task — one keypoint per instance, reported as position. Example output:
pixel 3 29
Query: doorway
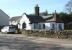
pixel 24 25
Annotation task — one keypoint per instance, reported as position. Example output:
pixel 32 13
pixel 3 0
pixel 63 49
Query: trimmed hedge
pixel 49 34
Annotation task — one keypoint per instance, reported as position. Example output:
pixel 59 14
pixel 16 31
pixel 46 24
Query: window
pixel 53 27
pixel 43 26
pixel 35 25
pixel 39 26
pixel 60 27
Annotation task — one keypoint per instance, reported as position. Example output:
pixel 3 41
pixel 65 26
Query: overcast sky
pixel 17 7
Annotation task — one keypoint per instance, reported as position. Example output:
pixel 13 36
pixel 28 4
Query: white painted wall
pixel 47 26
pixel 26 20
pixel 32 26
pixel 38 26
pixel 57 25
pixel 62 24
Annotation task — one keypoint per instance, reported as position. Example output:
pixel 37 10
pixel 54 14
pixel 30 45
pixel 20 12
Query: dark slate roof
pixel 48 16
pixel 41 14
pixel 35 19
pixel 39 19
pixel 17 18
pixel 52 18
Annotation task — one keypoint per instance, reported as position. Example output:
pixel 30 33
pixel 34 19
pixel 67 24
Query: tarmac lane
pixel 20 42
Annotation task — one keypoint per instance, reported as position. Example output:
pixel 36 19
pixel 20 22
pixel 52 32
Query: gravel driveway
pixel 20 42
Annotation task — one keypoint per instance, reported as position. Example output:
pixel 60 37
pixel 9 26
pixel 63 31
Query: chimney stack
pixel 55 15
pixel 37 10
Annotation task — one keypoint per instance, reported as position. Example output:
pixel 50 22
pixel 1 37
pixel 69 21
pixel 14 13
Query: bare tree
pixel 69 6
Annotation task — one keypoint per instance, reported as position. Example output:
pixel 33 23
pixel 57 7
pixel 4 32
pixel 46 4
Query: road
pixel 20 42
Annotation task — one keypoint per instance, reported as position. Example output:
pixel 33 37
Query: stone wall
pixel 49 34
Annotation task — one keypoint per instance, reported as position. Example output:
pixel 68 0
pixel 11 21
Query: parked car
pixel 8 29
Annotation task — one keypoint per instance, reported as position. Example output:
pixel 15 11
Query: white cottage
pixel 27 22
pixel 37 21
pixel 31 22
pixel 53 22
pixel 4 19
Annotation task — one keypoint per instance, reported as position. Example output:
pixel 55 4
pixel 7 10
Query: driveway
pixel 20 42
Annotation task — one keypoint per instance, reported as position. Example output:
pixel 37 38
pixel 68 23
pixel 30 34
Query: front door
pixel 24 25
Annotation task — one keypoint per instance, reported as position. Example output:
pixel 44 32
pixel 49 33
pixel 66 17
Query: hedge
pixel 49 34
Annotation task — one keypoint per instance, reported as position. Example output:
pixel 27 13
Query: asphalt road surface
pixel 20 42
